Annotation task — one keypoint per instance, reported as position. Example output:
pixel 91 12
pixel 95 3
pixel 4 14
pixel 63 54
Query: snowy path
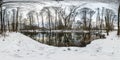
pixel 16 46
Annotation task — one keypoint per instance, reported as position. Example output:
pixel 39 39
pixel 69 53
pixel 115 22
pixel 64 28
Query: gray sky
pixel 106 1
pixel 103 1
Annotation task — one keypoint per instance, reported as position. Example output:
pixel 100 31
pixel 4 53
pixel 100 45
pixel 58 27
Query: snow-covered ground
pixel 16 46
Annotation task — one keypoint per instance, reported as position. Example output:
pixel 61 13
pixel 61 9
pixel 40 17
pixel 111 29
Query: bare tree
pixel 67 17
pixel 118 32
pixel 84 11
pixel 8 20
pixel 46 12
pixel 86 16
pixel 102 19
pixel 1 14
pixel 41 13
pixel 20 21
pixel 98 20
pixel 109 21
pixel 4 12
pixel 2 18
pixel 17 15
pixel 67 21
pixel 32 16
pixel 13 22
pixel 90 26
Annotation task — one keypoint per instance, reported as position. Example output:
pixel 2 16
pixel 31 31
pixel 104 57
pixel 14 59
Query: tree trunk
pixel 17 19
pixel 118 33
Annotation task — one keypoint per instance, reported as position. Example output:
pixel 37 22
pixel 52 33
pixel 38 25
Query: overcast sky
pixel 107 1
pixel 103 1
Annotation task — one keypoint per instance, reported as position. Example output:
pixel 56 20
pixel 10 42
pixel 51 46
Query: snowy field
pixel 16 46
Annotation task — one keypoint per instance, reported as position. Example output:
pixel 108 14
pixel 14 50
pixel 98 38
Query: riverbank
pixel 16 46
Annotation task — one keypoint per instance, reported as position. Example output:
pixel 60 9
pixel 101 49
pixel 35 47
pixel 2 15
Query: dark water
pixel 62 38
pixel 57 39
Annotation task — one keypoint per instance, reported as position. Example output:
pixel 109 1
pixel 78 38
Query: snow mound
pixel 19 44
pixel 108 46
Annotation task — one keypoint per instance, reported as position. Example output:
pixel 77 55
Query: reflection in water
pixel 57 39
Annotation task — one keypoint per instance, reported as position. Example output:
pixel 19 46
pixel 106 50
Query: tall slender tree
pixel 13 22
pixel 1 14
pixel 102 19
pixel 17 14
pixel 98 20
pixel 118 33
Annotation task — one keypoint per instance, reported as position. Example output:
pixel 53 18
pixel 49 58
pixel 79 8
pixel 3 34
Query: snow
pixel 16 46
